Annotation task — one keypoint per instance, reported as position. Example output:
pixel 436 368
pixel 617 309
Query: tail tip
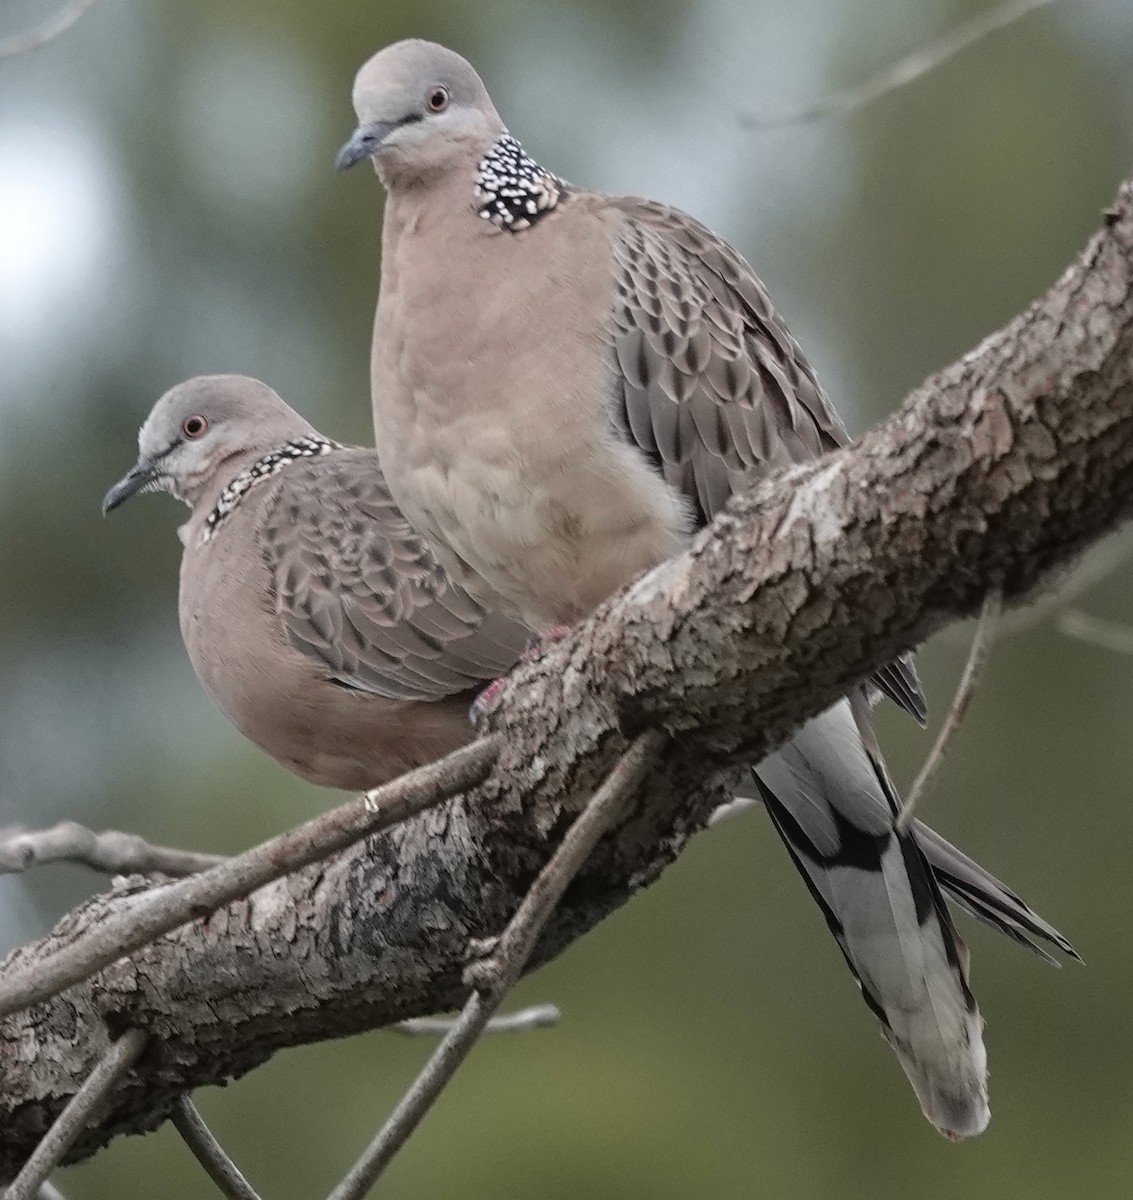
pixel 958 1117
pixel 955 1101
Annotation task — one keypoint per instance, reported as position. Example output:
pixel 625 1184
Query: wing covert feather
pixel 708 382
pixel 355 588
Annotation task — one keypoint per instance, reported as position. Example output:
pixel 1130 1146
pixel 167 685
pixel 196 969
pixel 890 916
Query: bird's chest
pixel 232 638
pixel 490 385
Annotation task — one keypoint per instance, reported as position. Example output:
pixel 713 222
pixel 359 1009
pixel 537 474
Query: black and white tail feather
pixel 832 802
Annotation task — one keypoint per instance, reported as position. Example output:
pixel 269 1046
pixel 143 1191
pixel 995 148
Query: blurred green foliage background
pixel 168 207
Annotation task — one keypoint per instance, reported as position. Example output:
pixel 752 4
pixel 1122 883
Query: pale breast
pixel 491 414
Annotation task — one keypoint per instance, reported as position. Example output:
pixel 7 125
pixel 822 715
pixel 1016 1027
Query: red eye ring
pixel 437 100
pixel 194 426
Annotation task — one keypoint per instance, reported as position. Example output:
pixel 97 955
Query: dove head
pixel 201 432
pixel 422 112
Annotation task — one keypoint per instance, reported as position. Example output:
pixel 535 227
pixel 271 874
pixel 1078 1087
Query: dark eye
pixel 437 100
pixel 193 427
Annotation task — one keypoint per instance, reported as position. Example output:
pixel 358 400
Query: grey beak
pixel 364 142
pixel 140 476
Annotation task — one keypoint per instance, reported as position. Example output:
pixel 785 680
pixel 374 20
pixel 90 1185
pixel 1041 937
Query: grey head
pixel 201 432
pixel 422 111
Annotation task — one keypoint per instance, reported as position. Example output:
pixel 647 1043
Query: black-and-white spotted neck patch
pixel 514 190
pixel 263 468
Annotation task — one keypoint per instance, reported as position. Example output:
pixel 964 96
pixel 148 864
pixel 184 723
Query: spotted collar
pixel 514 191
pixel 263 468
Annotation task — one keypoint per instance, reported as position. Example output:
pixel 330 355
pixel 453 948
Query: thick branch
pixel 79 1111
pixel 162 910
pixel 998 470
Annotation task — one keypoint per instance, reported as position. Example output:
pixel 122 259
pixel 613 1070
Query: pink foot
pixel 487 698
pixel 535 647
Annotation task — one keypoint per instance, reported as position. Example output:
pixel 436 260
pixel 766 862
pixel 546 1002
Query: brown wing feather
pixel 356 589
pixel 709 383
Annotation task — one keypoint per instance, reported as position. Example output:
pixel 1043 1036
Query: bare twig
pixel 47 1191
pixel 111 852
pixel 81 1108
pixel 165 908
pixel 1109 635
pixel 734 808
pixel 970 680
pixel 492 977
pixel 209 1152
pixel 903 72
pixel 1099 562
pixel 539 1016
pixel 48 31
pixel 228 1177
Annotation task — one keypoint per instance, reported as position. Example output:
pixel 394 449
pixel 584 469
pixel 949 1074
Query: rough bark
pixel 995 472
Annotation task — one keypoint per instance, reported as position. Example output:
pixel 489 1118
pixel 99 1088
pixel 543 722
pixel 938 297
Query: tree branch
pixel 209 1152
pixel 157 912
pixel 998 470
pixel 904 71
pixel 45 33
pixel 1098 563
pixel 1109 635
pixel 538 1016
pixel 958 709
pixel 494 976
pixel 117 1059
pixel 111 852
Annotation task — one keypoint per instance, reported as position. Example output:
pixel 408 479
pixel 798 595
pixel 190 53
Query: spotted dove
pixel 567 384
pixel 312 613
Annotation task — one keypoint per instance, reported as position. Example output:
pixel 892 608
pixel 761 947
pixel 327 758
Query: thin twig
pixel 539 1016
pixel 1096 564
pixel 209 1152
pixel 163 909
pixel 112 852
pixel 48 31
pixel 47 1191
pixel 970 680
pixel 734 808
pixel 227 1176
pixel 493 978
pixel 79 1111
pixel 904 71
pixel 1109 635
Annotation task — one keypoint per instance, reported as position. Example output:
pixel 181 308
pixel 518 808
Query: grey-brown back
pixel 708 382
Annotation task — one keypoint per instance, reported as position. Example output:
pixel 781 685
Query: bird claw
pixel 484 702
pixel 548 637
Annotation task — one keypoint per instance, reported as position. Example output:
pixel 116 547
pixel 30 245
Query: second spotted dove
pixel 315 617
